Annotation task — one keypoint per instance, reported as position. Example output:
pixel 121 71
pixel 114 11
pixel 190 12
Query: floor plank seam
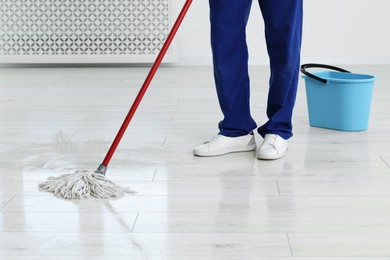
pixel 154 175
pixel 135 221
pixel 388 166
pixel 9 201
pixel 277 185
pixel 289 244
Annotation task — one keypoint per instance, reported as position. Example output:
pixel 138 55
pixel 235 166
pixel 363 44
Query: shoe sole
pixel 270 158
pixel 223 152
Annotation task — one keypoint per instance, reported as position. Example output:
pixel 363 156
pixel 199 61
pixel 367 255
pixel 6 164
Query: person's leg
pixel 230 58
pixel 283 30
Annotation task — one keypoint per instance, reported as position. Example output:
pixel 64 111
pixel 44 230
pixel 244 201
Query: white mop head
pixel 81 185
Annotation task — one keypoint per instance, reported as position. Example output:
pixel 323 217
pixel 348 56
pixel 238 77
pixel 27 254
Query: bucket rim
pixel 322 74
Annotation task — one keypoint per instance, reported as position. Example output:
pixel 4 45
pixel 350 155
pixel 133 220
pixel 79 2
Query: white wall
pixel 335 32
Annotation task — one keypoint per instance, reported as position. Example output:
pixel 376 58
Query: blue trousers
pixel 283 34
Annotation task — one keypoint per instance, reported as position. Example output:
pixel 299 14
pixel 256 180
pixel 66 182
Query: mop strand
pixel 82 185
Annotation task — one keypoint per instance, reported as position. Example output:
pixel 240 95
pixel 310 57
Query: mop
pixel 86 183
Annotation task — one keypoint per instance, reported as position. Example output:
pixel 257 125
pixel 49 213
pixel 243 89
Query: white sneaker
pixel 220 145
pixel 273 147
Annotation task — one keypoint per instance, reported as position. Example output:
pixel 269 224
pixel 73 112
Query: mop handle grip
pixel 146 84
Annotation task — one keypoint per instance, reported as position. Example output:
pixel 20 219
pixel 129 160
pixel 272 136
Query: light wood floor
pixel 329 198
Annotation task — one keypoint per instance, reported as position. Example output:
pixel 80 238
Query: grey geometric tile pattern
pixel 83 27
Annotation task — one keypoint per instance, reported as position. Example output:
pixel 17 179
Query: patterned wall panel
pixel 83 30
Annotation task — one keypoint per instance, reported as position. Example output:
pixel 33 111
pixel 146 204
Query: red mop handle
pixel 146 84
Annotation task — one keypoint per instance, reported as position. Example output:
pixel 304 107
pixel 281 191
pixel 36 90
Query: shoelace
pixel 271 139
pixel 215 139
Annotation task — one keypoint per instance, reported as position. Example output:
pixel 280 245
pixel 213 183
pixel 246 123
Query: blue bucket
pixel 338 100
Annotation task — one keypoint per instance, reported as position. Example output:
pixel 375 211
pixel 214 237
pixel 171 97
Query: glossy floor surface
pixel 329 198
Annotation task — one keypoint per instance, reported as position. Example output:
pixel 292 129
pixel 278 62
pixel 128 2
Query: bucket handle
pixel 314 65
